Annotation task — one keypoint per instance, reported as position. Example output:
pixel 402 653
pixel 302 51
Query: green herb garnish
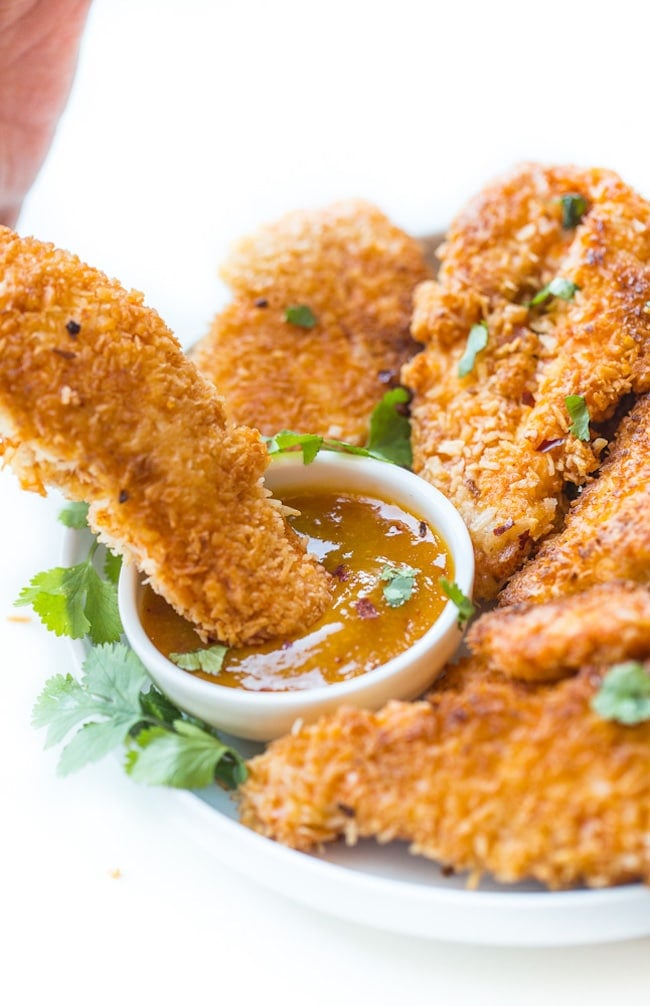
pixel 209 659
pixel 76 601
pixel 465 607
pixel 399 584
pixel 388 439
pixel 574 207
pixel 74 515
pixel 576 406
pixel 476 341
pixel 300 315
pixel 563 289
pixel 624 694
pixel 114 703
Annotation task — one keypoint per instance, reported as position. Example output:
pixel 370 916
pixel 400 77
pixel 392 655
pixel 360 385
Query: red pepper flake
pixel 365 608
pixel 341 573
pixel 422 529
pixel 73 328
pixel 548 445
pixel 261 302
pixel 523 538
pixel 346 809
pixel 67 354
pixel 123 497
pixel 498 531
pixel 528 398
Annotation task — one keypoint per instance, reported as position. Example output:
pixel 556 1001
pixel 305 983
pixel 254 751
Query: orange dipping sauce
pixel 357 539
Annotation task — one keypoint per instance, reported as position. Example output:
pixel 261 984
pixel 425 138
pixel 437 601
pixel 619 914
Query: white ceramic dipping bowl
pixel 264 715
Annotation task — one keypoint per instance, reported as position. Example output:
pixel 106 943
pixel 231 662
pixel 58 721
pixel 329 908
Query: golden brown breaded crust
pixel 498 441
pixel 544 642
pixel 356 272
pixel 97 398
pixel 494 776
pixel 606 534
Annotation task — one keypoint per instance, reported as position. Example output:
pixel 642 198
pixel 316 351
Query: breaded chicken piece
pixel 544 642
pixel 491 776
pixel 97 399
pixel 356 272
pixel 499 441
pixel 606 534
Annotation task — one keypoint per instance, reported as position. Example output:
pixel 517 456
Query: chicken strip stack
pixel 97 398
pixel 324 371
pixel 489 775
pixel 500 441
pixel 606 533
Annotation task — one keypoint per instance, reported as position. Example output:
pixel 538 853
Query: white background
pixel 189 123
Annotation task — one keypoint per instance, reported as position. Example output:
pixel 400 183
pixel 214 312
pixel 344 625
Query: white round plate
pixel 386 888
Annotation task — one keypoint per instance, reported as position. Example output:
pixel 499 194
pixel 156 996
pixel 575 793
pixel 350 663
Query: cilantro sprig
pixel 463 603
pixel 476 343
pixel 75 600
pixel 560 287
pixel 576 406
pixel 574 206
pixel 399 584
pixel 624 694
pixel 115 703
pixel 388 438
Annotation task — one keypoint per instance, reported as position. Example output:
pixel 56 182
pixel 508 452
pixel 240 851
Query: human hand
pixel 39 41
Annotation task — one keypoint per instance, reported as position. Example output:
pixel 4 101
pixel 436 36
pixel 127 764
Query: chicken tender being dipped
pixel 98 400
pixel 535 329
pixel 319 325
pixel 488 776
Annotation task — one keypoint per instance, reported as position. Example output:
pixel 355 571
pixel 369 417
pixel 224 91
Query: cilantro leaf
pixel 156 706
pixel 74 515
pixel 187 757
pixel 465 607
pixel 400 583
pixel 624 694
pixel 576 406
pixel 300 315
pixel 286 440
pixel 574 207
pixel 389 437
pixel 112 566
pixel 476 342
pixel 109 689
pixel 74 601
pixel 209 659
pixel 563 289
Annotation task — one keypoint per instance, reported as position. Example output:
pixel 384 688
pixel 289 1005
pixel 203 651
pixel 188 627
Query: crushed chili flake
pixel 523 538
pixel 67 354
pixel 365 608
pixel 261 302
pixel 73 328
pixel 341 573
pixel 528 398
pixel 346 809
pixel 498 531
pixel 422 529
pixel 548 445
pixel 123 497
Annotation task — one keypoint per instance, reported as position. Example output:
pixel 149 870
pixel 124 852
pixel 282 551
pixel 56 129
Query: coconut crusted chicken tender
pixel 355 273
pixel 606 533
pixel 500 441
pixel 489 775
pixel 609 622
pixel 97 399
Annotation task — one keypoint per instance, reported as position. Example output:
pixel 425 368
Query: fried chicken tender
pixel 544 642
pixel 488 776
pixel 356 272
pixel 97 399
pixel 499 441
pixel 606 533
